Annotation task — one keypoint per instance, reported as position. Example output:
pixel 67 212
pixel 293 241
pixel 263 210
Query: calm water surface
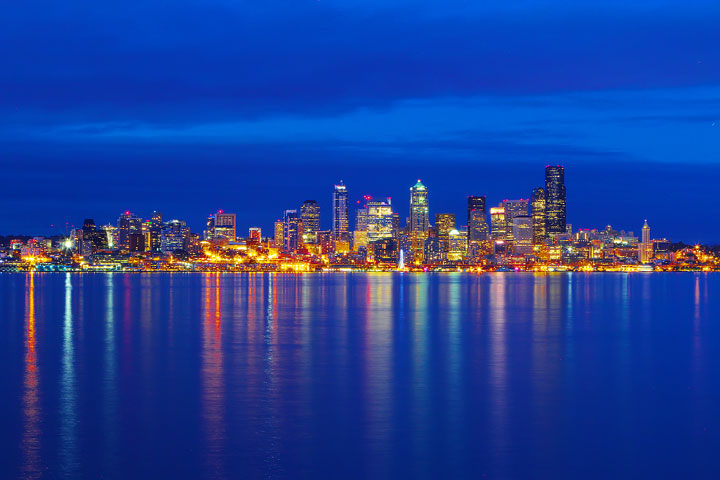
pixel 359 376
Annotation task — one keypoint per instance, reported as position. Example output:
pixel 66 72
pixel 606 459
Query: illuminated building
pixel 292 231
pixel 310 216
pixel 537 212
pixel 497 223
pixel 341 221
pixel 432 250
pixel 154 228
pixel 477 219
pixel 457 245
pixel 221 226
pixel 645 248
pixel 444 224
pixel 555 200
pixel 522 226
pixel 513 208
pixel 379 220
pixel 129 229
pixel 94 239
pixel 175 236
pixel 279 241
pixel 255 235
pixel 385 250
pixel 419 218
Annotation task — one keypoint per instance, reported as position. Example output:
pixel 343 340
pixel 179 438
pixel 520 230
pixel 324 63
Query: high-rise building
pixel 513 208
pixel 457 245
pixel 555 200
pixel 497 223
pixel 645 248
pixel 444 224
pixel 522 227
pixel 378 220
pixel 477 219
pixel 255 235
pixel 221 226
pixel 279 241
pixel 419 220
pixel 129 227
pixel 292 230
pixel 340 223
pixel 154 228
pixel 310 216
pixel 537 212
pixel 175 237
pixel 93 238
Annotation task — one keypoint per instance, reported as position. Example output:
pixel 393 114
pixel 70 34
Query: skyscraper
pixel 477 219
pixel 444 224
pixel 555 200
pixel 129 228
pixel 340 212
pixel 497 223
pixel 310 215
pixel 379 220
pixel 537 212
pixel 175 237
pixel 220 226
pixel 645 248
pixel 522 227
pixel 292 230
pixel 513 208
pixel 419 218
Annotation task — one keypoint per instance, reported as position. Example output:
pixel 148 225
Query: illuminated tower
pixel 292 231
pixel 419 218
pixel 555 200
pixel 497 223
pixel 444 224
pixel 645 248
pixel 340 212
pixel 477 220
pixel 310 215
pixel 539 218
pixel 129 232
pixel 513 208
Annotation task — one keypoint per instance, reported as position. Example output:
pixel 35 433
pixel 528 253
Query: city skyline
pixel 116 122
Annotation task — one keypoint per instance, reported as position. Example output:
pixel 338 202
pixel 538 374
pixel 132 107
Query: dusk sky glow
pixel 255 106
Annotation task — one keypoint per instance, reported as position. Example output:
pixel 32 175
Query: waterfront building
pixel 221 226
pixel 129 228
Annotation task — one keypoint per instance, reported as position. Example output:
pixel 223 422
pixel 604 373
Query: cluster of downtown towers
pixel 514 226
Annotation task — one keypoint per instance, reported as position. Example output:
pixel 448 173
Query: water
pixel 360 376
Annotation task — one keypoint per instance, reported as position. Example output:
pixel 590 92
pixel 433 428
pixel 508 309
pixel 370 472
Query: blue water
pixel 493 376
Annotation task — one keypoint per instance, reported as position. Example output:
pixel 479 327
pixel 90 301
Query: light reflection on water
pixel 364 376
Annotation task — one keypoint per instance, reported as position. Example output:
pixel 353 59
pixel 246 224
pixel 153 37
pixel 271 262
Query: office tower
pixel 431 249
pixel 522 226
pixel 223 226
pixel 175 237
pixel 292 230
pixel 310 216
pixel 279 241
pixel 444 224
pixel 94 239
pixel 555 200
pixel 341 222
pixel 645 248
pixel 129 226
pixel 497 223
pixel 153 232
pixel 513 208
pixel 477 219
pixel 419 220
pixel 378 220
pixel 457 245
pixel 537 212
pixel 255 235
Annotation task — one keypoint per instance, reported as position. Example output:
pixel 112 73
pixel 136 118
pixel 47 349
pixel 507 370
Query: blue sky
pixel 255 106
